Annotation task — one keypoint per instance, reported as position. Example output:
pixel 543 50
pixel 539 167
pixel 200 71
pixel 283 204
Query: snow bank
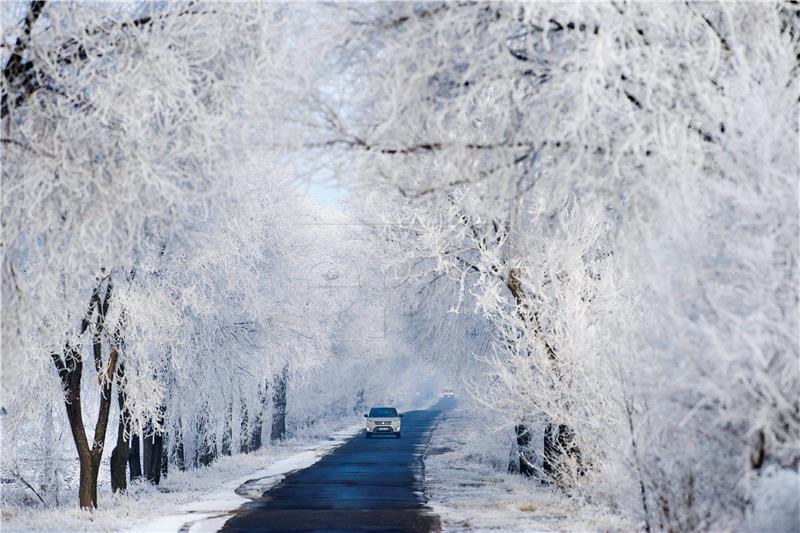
pixel 776 502
pixel 471 490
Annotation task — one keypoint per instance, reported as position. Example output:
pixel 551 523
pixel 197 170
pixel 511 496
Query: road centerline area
pixel 364 485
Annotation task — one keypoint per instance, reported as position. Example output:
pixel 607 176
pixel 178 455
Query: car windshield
pixel 382 412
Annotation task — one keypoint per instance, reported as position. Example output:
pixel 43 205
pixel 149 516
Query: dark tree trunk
pixel 151 448
pixel 526 460
pixel 151 454
pixel 244 437
pixel 207 451
pixel 569 448
pixel 551 452
pixel 255 435
pixel 119 455
pixel 70 371
pixel 258 420
pixel 134 457
pixel 279 406
pixel 180 453
pixel 227 432
pixel 559 447
pixel 164 455
pixel 87 489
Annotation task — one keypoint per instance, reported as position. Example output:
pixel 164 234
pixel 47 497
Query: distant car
pixel 383 421
pixel 448 393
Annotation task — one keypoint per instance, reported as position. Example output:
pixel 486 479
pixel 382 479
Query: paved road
pixel 364 485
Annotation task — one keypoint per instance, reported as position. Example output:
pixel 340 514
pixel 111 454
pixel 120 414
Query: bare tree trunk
pixel 119 455
pixel 255 435
pixel 180 451
pixel 164 455
pixel 550 456
pixel 279 406
pixel 258 420
pixel 244 437
pixel 87 488
pixel 569 447
pixel 119 461
pixel 227 431
pixel 207 451
pixel 70 371
pixel 134 457
pixel 526 461
pixel 152 450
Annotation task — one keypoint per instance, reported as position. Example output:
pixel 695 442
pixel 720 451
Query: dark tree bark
pixel 526 460
pixel 255 435
pixel 258 419
pixel 119 456
pixel 152 450
pixel 568 447
pixel 70 371
pixel 279 406
pixel 551 452
pixel 208 452
pixel 134 458
pixel 165 455
pixel 180 451
pixel 244 437
pixel 207 449
pixel 227 432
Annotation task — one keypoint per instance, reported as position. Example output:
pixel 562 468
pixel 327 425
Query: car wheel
pixel 369 434
pixel 397 435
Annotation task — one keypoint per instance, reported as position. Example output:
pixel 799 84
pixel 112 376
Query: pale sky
pixel 326 193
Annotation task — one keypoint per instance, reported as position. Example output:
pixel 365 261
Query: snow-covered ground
pixel 472 494
pixel 198 500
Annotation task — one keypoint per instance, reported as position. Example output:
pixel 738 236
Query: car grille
pixel 381 423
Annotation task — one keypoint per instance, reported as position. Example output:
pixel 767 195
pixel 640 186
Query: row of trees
pixel 153 268
pixel 612 189
pixel 595 204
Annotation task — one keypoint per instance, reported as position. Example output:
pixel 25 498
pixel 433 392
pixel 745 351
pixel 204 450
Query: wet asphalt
pixel 364 485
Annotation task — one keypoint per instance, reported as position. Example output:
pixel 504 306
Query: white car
pixel 383 421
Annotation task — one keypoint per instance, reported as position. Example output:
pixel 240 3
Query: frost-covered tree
pixel 115 118
pixel 613 186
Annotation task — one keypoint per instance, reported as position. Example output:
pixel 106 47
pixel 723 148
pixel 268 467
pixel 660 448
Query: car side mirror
pixel 400 415
pixel 366 416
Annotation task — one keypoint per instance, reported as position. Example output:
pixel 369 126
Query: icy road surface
pixel 364 485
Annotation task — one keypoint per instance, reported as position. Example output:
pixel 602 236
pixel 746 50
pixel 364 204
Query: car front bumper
pixel 387 430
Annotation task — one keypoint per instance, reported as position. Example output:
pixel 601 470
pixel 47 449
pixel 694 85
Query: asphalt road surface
pixel 364 485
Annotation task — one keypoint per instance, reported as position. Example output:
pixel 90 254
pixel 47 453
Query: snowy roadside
pixel 199 500
pixel 472 495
